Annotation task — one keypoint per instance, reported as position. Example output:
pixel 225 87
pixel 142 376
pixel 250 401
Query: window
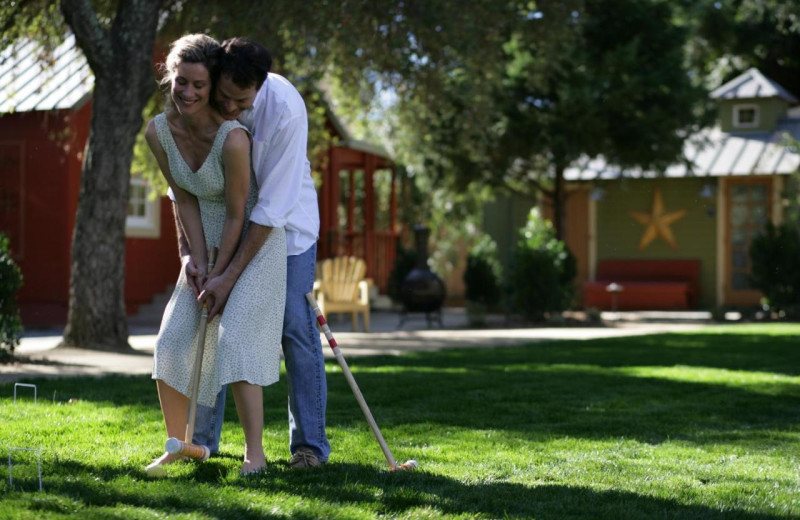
pixel 144 216
pixel 745 116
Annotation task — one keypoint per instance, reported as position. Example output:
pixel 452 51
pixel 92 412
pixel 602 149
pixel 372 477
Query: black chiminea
pixel 422 291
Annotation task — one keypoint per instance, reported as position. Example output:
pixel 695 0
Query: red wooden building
pixel 44 124
pixel 358 203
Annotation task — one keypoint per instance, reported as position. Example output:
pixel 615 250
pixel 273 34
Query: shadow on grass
pixel 581 389
pixel 208 489
pixel 592 403
pixel 576 389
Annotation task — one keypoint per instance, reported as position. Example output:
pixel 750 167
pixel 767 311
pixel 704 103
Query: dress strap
pixel 224 129
pixel 163 132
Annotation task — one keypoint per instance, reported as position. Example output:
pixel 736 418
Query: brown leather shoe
pixel 304 458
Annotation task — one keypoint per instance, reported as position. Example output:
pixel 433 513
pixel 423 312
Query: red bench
pixel 644 285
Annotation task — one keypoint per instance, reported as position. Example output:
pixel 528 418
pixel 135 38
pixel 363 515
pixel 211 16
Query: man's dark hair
pixel 246 62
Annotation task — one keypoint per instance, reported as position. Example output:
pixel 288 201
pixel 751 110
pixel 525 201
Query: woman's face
pixel 191 87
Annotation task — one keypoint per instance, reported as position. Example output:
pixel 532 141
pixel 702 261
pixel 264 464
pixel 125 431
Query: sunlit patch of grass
pixel 691 425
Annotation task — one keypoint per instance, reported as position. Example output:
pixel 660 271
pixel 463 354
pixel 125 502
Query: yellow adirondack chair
pixel 341 287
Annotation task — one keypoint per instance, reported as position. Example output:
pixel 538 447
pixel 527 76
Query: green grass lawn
pixel 683 426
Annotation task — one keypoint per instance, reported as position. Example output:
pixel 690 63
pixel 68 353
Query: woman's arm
pixel 236 158
pixel 187 208
pixel 236 163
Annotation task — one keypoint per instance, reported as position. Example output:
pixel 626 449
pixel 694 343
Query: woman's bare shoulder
pixel 238 139
pixel 150 134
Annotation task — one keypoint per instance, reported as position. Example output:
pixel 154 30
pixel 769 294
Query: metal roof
pixel 712 153
pixel 29 81
pixel 752 84
pixel 346 139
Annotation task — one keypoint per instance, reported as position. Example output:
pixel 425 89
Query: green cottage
pixel 679 239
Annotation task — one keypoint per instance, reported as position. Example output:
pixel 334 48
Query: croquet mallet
pixel 409 464
pixel 186 448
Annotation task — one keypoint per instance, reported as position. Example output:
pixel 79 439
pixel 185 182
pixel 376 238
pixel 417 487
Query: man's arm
pixel 280 159
pixel 279 167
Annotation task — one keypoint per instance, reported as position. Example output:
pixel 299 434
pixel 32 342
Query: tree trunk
pixel 121 60
pixel 558 201
pixel 97 317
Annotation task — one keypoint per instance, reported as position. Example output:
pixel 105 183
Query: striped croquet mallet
pixel 410 464
pixel 185 448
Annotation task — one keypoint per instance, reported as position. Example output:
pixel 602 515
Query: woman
pixel 206 162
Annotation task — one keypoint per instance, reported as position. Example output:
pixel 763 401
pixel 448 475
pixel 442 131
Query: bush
pixel 404 263
pixel 543 271
pixel 10 282
pixel 483 273
pixel 775 272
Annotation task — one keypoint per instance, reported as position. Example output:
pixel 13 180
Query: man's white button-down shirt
pixel 286 193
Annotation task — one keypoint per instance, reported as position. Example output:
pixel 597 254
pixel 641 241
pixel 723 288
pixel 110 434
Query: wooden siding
pixel 618 234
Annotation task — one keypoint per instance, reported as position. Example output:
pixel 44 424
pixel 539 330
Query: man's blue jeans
pixel 305 369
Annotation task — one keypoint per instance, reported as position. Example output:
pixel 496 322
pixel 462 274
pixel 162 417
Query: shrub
pixel 543 271
pixel 10 282
pixel 483 273
pixel 593 315
pixel 774 272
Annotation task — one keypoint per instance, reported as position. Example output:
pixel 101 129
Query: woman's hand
pixel 195 275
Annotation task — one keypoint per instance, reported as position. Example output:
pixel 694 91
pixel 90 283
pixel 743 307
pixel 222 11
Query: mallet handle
pixel 198 360
pixel 197 369
pixel 351 381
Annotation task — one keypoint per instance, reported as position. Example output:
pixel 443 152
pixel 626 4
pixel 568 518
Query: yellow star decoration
pixel 657 222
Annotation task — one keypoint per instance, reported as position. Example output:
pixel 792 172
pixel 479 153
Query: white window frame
pixel 737 109
pixel 148 225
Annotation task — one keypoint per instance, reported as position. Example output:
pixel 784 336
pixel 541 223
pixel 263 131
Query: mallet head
pixel 407 465
pixel 193 451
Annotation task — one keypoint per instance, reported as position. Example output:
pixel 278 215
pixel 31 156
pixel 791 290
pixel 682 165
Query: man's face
pixel 233 99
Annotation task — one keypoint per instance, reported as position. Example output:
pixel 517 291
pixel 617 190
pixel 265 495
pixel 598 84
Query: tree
pixel 409 45
pixel 119 49
pixel 730 37
pixel 578 79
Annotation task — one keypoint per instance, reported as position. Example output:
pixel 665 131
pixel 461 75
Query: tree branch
pixel 92 38
pixel 540 187
pixel 133 37
pixel 128 30
pixel 537 185
pixel 12 17
pixel 526 193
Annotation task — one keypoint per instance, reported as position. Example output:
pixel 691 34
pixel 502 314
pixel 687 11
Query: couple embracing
pixel 231 144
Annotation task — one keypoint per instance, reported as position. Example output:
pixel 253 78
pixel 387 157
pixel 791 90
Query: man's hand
pixel 194 275
pixel 215 292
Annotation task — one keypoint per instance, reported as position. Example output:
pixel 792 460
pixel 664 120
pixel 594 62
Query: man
pixel 274 111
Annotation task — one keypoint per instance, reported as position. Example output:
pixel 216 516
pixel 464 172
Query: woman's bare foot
pixel 253 465
pixel 156 468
